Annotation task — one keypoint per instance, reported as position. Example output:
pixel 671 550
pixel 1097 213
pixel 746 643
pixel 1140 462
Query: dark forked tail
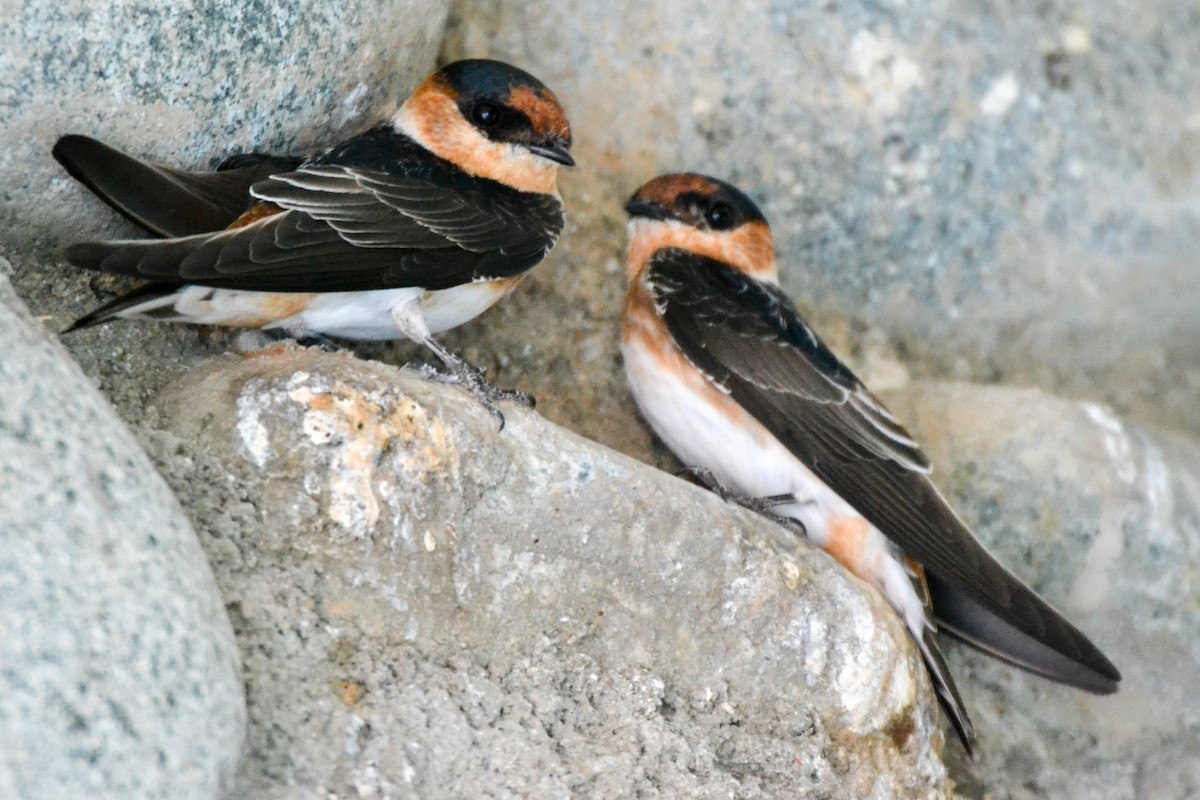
pixel 167 202
pixel 145 296
pixel 947 692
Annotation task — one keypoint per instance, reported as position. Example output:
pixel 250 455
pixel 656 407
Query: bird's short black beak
pixel 555 151
pixel 645 208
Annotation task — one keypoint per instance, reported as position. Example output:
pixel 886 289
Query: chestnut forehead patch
pixel 665 189
pixel 679 194
pixel 543 110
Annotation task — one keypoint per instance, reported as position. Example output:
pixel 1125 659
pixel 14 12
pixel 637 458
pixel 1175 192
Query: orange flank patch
pixel 543 110
pixel 749 248
pixel 641 321
pixel 847 540
pixel 270 307
pixel 432 118
pixel 492 291
pixel 259 211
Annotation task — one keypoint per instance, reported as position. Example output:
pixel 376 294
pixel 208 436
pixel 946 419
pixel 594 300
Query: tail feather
pixel 947 691
pixel 151 300
pixel 925 635
pixel 165 201
pixel 964 617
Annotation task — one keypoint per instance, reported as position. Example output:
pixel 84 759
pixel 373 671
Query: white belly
pixel 700 435
pixel 352 315
pixel 450 308
pixel 349 315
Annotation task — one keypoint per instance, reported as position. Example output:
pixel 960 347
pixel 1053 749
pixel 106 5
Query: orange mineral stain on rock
pixel 350 692
pixel 363 428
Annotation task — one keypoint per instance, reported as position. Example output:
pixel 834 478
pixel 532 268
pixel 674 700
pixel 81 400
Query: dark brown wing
pixel 166 201
pixel 376 212
pixel 749 338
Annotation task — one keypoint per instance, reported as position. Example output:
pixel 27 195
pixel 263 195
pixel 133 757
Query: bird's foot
pixel 321 341
pixel 759 505
pixel 460 373
pixel 304 340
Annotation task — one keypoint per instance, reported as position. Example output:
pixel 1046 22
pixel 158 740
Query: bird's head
pixel 702 215
pixel 492 120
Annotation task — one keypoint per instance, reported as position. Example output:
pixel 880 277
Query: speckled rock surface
pixel 119 675
pixel 1103 519
pixel 1009 191
pixel 429 608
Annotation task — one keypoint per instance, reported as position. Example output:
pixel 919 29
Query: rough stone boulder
pixel 427 606
pixel 187 83
pixel 119 674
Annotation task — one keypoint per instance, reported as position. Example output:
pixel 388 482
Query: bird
pixel 408 229
pixel 732 379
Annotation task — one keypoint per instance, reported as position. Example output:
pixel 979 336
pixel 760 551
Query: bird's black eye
pixel 485 114
pixel 719 216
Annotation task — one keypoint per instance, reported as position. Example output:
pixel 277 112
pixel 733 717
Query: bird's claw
pixel 473 380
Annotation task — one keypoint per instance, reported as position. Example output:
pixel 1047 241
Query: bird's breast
pixel 702 424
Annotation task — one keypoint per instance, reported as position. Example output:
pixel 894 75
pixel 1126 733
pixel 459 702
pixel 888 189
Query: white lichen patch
pixel 881 72
pixel 1076 39
pixel 1116 440
pixel 812 641
pixel 1000 96
pixel 1093 586
pixel 256 442
pixel 1156 484
pixel 355 104
pixel 789 570
pixel 361 428
pixel 874 679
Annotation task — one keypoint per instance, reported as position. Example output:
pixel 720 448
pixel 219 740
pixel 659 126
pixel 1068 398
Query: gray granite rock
pixel 429 608
pixel 119 675
pixel 1103 519
pixel 1007 190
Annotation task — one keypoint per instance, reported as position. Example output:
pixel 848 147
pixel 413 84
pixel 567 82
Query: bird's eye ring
pixel 719 216
pixel 485 114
